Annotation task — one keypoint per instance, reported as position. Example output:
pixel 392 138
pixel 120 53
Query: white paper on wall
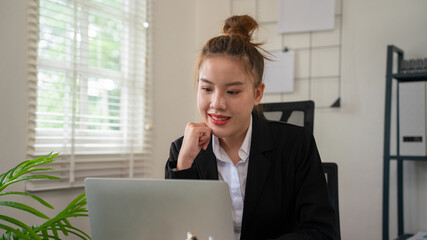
pixel 279 73
pixel 306 15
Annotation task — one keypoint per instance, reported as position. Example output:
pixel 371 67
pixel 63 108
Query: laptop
pixel 148 209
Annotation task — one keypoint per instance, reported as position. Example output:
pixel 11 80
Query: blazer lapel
pixel 206 164
pixel 258 169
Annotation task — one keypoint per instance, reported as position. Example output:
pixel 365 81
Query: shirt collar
pixel 244 151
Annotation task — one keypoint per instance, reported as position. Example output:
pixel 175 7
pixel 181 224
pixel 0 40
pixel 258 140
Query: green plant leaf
pixel 27 178
pixel 43 202
pixel 77 215
pixel 40 160
pixel 74 209
pixel 54 231
pixel 66 222
pixel 44 235
pixel 81 233
pixel 19 224
pixel 10 230
pixel 75 206
pixel 62 228
pixel 2 178
pixel 35 170
pixel 5 236
pixel 13 170
pixel 50 228
pixel 81 197
pixel 23 168
pixel 74 231
pixel 17 175
pixel 56 221
pixel 47 236
pixel 34 163
pixel 23 207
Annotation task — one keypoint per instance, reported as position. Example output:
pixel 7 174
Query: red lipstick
pixel 219 119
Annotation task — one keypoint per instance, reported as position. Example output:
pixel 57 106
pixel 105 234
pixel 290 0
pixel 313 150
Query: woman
pixel 273 169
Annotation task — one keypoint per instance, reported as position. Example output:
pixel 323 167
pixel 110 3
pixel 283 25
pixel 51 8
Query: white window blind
pixel 89 89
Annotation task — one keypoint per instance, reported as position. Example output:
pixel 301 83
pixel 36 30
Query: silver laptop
pixel 143 209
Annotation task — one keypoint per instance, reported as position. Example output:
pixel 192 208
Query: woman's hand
pixel 196 137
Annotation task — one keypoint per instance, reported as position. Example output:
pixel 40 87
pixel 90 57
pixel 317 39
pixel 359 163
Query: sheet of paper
pixel 279 73
pixel 419 236
pixel 306 15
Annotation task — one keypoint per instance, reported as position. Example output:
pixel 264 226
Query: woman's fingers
pixel 205 137
pixel 199 132
pixel 196 137
pixel 204 141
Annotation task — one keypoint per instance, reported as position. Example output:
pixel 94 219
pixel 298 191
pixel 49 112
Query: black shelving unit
pixel 400 77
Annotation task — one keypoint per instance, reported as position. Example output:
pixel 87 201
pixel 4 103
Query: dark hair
pixel 236 43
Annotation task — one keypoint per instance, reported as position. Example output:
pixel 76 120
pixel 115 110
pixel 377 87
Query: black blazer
pixel 286 193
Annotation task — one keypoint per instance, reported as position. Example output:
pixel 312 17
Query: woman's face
pixel 226 96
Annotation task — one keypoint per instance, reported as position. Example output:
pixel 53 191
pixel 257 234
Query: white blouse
pixel 234 176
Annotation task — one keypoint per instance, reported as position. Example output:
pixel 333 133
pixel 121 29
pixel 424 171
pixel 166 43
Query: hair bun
pixel 242 26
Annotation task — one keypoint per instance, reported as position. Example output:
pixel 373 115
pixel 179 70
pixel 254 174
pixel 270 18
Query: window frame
pixel 73 164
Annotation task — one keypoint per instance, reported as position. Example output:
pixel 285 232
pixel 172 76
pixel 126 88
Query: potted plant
pixel 51 227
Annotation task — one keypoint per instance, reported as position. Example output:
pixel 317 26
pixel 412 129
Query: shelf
pixel 393 63
pixel 410 77
pixel 414 158
pixel 404 236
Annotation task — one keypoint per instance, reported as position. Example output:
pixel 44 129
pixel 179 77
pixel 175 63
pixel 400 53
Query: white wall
pixel 13 107
pixel 352 136
pixel 174 55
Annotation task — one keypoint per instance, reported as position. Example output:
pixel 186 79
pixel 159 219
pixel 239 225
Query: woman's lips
pixel 219 119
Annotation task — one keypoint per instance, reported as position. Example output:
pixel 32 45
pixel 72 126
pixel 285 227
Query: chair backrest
pixel 331 174
pixel 297 113
pixel 302 114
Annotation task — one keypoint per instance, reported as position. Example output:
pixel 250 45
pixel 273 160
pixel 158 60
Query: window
pixel 89 88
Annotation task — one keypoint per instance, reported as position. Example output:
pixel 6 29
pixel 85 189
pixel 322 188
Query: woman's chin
pixel 219 133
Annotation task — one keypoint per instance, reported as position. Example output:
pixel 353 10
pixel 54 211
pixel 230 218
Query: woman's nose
pixel 218 101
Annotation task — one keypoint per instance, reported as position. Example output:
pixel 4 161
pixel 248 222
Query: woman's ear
pixel 259 92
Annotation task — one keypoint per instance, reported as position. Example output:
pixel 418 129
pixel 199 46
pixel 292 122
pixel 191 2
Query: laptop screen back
pixel 158 209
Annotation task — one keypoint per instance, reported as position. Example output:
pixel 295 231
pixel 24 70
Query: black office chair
pixel 302 114
pixel 297 113
pixel 331 172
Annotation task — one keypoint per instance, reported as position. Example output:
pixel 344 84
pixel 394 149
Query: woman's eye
pixel 233 92
pixel 206 89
